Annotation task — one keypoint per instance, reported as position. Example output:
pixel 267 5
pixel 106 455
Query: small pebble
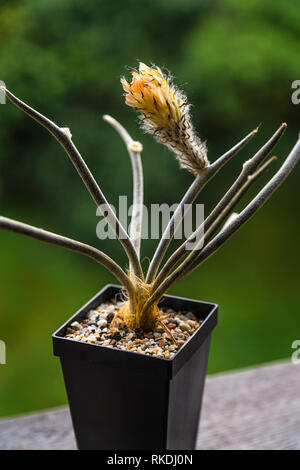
pixel 110 317
pixel 92 313
pixel 92 339
pixel 139 332
pixel 184 326
pixel 117 336
pixel 102 323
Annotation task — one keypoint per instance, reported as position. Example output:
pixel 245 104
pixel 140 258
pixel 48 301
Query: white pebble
pixel 92 338
pixel 92 313
pixel 184 327
pixel 102 323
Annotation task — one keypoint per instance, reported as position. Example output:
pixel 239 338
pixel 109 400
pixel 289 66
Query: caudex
pixel 164 113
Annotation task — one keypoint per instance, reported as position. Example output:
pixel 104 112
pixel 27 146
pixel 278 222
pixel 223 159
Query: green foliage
pixel 236 61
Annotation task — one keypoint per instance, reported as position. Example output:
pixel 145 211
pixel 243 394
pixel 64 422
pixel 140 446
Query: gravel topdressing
pixel 95 329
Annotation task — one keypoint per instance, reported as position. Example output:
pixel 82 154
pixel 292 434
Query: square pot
pixel 122 400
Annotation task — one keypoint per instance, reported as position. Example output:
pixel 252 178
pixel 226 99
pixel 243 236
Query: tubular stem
pixel 248 168
pixel 63 136
pixel 233 226
pixel 70 244
pixel 214 225
pixel 138 182
pixel 198 184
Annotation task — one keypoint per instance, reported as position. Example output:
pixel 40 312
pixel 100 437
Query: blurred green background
pixel 236 61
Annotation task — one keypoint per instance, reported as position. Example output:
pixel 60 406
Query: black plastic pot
pixel 123 400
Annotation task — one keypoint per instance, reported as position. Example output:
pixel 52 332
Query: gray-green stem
pixel 63 136
pixel 214 225
pixel 249 167
pixel 138 182
pixel 198 184
pixel 69 244
pixel 233 226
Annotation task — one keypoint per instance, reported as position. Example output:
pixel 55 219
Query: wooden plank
pixel 49 430
pixel 257 408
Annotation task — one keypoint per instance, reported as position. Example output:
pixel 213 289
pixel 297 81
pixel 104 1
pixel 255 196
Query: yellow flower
pixel 165 114
pixel 150 92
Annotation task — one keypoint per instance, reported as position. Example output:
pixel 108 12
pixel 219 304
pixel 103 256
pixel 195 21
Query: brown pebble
pixel 171 326
pixel 161 343
pixel 113 341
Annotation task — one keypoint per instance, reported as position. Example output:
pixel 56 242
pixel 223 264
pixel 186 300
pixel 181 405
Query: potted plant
pixel 134 358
